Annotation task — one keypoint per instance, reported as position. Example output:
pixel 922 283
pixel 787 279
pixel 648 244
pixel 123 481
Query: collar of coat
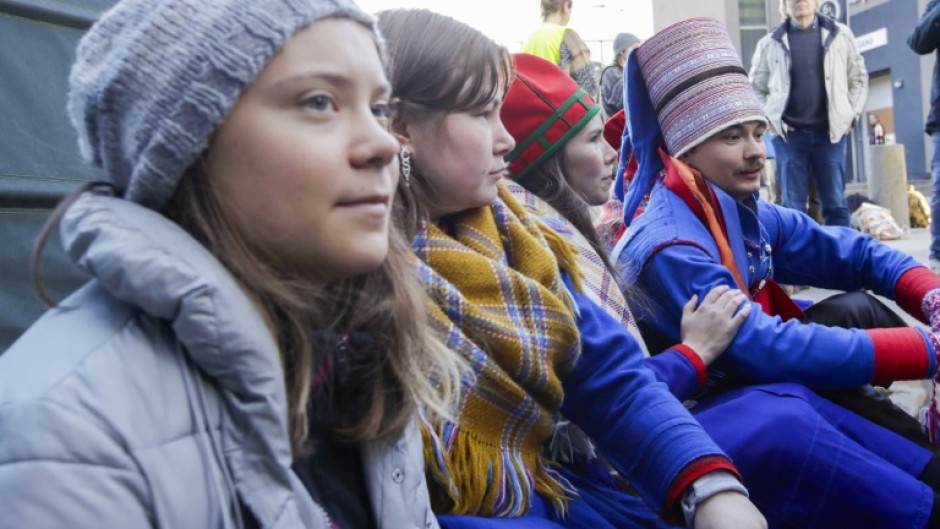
pixel 826 24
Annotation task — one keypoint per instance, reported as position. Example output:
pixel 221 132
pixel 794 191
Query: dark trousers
pixel 859 310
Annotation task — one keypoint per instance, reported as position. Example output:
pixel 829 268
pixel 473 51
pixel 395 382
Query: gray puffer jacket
pixel 153 397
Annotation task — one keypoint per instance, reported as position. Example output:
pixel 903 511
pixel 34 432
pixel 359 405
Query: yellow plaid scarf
pixel 498 298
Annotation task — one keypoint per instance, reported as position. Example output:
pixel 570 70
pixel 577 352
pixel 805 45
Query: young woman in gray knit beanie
pixel 251 349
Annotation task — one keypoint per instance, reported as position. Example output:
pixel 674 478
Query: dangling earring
pixel 404 164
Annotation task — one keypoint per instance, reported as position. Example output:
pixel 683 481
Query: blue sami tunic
pixel 672 255
pixel 806 461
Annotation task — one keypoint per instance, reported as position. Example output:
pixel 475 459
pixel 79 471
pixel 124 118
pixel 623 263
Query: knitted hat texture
pixel 696 82
pixel 154 79
pixel 543 109
pixel 623 41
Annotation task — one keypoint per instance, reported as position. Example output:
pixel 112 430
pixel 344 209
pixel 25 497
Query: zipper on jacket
pixel 326 516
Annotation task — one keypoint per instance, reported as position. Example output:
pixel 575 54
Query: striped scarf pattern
pixel 600 286
pixel 497 297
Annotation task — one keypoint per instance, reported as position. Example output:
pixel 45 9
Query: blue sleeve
pixel 633 420
pixel 926 35
pixel 805 253
pixel 676 371
pixel 766 349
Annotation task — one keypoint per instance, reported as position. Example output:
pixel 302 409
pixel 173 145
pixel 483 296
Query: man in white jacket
pixel 812 82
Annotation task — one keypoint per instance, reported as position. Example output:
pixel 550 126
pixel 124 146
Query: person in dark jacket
pixel 612 76
pixel 923 40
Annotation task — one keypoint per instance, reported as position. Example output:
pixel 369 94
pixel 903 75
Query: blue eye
pixel 385 110
pixel 318 102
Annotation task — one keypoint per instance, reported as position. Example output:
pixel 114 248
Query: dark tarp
pixel 39 160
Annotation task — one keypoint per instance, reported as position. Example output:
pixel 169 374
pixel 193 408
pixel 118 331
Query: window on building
pixel 752 16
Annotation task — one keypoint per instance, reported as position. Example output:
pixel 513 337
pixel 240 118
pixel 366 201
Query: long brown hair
pixel 410 366
pixel 430 81
pixel 548 182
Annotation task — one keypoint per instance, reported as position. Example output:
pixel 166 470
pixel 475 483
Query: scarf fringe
pixel 495 482
pixel 930 417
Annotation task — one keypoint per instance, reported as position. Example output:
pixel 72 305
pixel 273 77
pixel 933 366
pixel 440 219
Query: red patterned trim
pixel 700 368
pixel 690 473
pixel 900 354
pixel 911 288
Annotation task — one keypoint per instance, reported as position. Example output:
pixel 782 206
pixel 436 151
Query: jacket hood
pixel 144 259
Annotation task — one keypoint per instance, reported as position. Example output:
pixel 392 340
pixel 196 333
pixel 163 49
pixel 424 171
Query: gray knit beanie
pixel 154 79
pixel 623 41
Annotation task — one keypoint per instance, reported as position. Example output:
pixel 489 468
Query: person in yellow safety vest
pixel 554 41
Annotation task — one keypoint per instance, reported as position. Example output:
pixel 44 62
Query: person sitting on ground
pixel 704 226
pixel 506 293
pixel 228 367
pixel 768 429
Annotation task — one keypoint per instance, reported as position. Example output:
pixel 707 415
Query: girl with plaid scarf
pixel 507 293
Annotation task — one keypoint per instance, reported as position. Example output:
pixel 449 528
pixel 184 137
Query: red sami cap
pixel 543 109
pixel 613 129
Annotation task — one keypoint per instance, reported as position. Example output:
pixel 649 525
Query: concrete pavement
pixel 916 244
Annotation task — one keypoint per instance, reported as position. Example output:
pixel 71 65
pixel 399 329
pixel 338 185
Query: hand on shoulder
pixel 708 327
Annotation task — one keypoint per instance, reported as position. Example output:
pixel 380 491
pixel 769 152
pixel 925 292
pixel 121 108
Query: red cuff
pixel 900 354
pixel 690 473
pixel 700 369
pixel 911 288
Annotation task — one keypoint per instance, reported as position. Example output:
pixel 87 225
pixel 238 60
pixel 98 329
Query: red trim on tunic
pixel 911 288
pixel 900 354
pixel 690 473
pixel 700 369
pixel 774 301
pixel 613 129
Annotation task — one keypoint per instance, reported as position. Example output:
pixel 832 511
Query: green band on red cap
pixel 579 97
